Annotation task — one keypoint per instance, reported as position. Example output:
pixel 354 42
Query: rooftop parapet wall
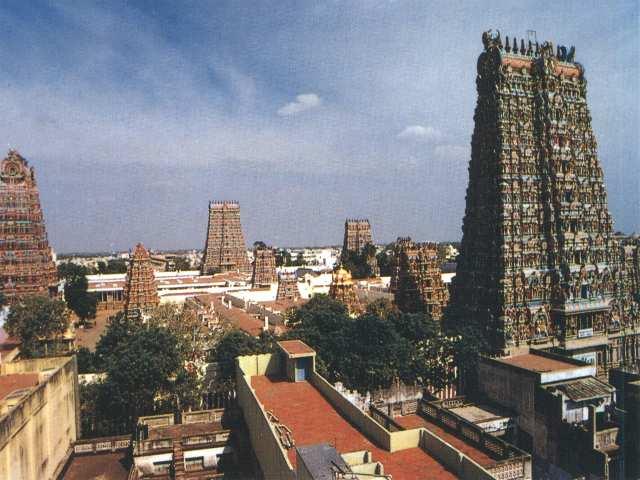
pixel 47 417
pixel 272 457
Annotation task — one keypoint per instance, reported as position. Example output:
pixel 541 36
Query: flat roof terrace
pixel 9 383
pixel 312 419
pixel 537 363
pixel 418 421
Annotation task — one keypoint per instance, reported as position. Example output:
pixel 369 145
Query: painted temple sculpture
pixel 539 264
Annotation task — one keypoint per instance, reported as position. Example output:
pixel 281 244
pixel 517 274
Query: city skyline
pixel 135 118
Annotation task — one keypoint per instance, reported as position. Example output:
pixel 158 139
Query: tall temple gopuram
pixel 539 265
pixel 418 285
pixel 264 266
pixel 224 250
pixel 357 235
pixel 141 289
pixel 26 259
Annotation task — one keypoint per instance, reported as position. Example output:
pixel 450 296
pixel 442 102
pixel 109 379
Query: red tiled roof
pixel 537 363
pixel 296 347
pixel 312 419
pixel 103 466
pixel 416 421
pixel 240 319
pixel 16 381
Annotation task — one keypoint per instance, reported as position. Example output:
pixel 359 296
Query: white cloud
pixel 304 101
pixel 419 132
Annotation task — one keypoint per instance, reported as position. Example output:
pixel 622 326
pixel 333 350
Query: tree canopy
pixel 83 303
pixel 375 349
pixel 360 263
pixel 39 322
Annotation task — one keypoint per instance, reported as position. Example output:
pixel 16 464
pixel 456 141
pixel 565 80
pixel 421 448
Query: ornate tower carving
pixel 287 288
pixel 26 259
pixel 141 290
pixel 418 285
pixel 357 235
pixel 264 266
pixel 225 250
pixel 538 259
pixel 343 290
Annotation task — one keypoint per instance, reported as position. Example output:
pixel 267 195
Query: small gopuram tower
pixel 224 250
pixel 264 266
pixel 357 235
pixel 418 279
pixel 140 290
pixel 26 265
pixel 539 265
pixel 400 244
pixel 343 290
pixel 287 288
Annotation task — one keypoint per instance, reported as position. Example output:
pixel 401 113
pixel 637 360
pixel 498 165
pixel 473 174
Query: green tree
pixel 86 360
pixel 119 329
pixel 115 265
pixel 83 303
pixel 140 370
pixel 378 356
pixel 283 258
pixel 323 323
pixel 385 260
pixel 181 264
pixel 234 344
pixel 360 263
pixel 39 322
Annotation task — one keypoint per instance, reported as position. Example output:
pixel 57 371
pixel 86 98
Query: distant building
pixel 173 287
pixel 39 417
pixel 26 259
pixel 225 250
pixel 141 290
pixel 198 448
pixel 564 416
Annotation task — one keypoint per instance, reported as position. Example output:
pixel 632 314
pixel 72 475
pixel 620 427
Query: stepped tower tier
pixel 538 264
pixel 225 250
pixel 141 289
pixel 26 259
pixel 418 285
pixel 264 266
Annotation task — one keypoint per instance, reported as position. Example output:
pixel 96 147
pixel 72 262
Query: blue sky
pixel 136 114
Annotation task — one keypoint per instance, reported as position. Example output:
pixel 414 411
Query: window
pixel 162 468
pixel 191 464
